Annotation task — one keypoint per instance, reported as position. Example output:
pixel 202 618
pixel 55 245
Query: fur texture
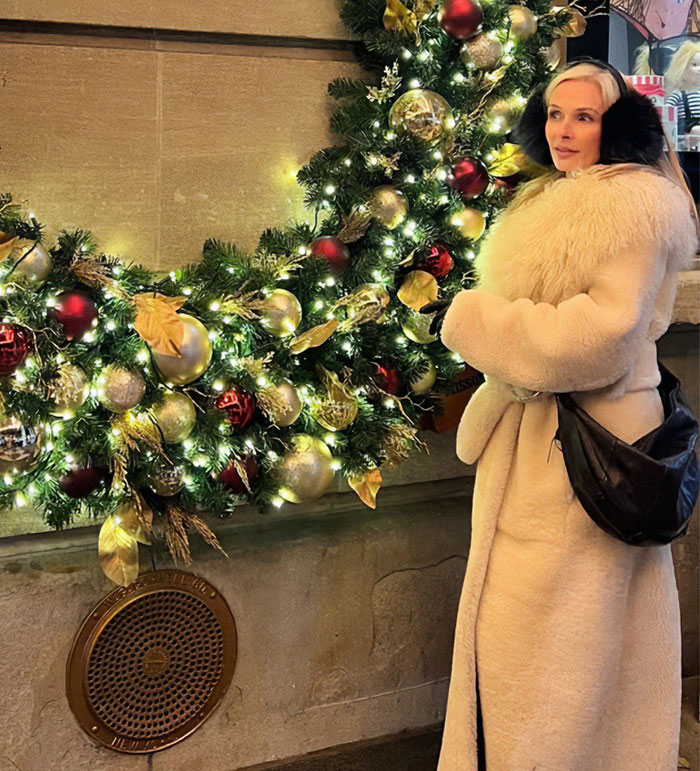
pixel 576 635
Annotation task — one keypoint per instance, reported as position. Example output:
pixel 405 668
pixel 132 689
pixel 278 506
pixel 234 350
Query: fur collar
pixel 548 248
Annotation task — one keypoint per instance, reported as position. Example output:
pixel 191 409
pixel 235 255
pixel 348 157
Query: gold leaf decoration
pixel 313 337
pixel 398 17
pixel 418 289
pixel 136 518
pixel 7 244
pixel 118 553
pixel 157 322
pixel 338 407
pixel 365 303
pixel 367 486
pixel 422 8
pixel 128 431
pixel 355 225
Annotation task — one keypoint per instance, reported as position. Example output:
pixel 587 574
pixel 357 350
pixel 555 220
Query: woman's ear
pixel 631 131
pixel 529 130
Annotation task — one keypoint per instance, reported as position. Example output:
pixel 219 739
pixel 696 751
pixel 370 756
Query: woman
pixel 574 635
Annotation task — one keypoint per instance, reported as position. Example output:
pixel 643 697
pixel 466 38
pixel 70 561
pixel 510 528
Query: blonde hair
pixel 667 164
pixel 677 72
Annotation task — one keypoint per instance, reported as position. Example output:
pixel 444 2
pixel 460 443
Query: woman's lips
pixel 565 152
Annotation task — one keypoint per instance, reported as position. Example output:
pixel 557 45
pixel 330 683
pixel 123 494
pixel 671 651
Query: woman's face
pixel 574 123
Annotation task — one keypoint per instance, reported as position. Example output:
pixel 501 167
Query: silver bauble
pixel 20 446
pixel 425 382
pixel 305 472
pixel 119 389
pixel 292 402
pixel 69 389
pixel 281 313
pixel 175 416
pixel 194 358
pixel 165 480
pixel 483 52
pixel 31 261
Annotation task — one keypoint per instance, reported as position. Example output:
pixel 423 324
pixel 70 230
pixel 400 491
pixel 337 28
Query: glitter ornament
pixel 333 251
pixel 14 347
pixel 239 406
pixel 469 177
pixel 76 312
pixel 292 404
pixel 281 313
pixel 68 390
pixel 165 480
pixel 483 52
pixel 305 472
pixel 31 261
pixel 461 19
pixel 389 206
pixel 194 358
pixel 20 446
pixel 119 389
pixel 437 261
pixel 423 113
pixel 175 416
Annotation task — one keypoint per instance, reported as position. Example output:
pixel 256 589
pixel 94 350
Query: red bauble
pixel 469 176
pixel 389 379
pixel 76 311
pixel 437 261
pixel 14 347
pixel 239 406
pixel 461 19
pixel 509 186
pixel 232 479
pixel 80 482
pixel 334 251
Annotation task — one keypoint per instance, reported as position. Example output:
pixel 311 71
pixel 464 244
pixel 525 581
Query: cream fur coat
pixel 575 634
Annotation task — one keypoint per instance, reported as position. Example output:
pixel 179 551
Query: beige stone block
pixel 79 141
pixel 288 18
pixel 235 130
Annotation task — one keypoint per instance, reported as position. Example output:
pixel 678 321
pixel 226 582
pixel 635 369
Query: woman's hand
pixel 439 308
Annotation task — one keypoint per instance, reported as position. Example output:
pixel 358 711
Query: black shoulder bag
pixel 641 493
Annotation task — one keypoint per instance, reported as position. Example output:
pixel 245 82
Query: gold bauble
pixel 483 51
pixel 522 22
pixel 175 416
pixel 470 222
pixel 389 206
pixel 576 25
pixel 501 116
pixel 194 358
pixel 69 389
pixel 20 446
pixel 423 113
pixel 416 327
pixel 31 260
pixel 292 404
pixel 281 313
pixel 305 472
pixel 165 480
pixel 119 389
pixel 425 382
pixel 552 55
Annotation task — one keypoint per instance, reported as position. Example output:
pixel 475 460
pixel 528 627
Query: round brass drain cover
pixel 151 661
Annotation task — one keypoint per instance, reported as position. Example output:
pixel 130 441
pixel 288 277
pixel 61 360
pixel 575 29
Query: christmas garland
pixel 257 377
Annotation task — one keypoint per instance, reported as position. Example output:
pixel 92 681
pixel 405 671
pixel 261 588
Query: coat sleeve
pixel 585 342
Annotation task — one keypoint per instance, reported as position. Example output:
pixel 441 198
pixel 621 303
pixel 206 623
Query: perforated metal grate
pixel 153 668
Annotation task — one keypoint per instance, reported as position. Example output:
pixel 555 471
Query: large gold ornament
pixel 280 313
pixel 501 116
pixel 165 479
pixel 418 289
pixel 522 22
pixel 306 471
pixel 425 382
pixel 576 25
pixel 389 206
pixel 423 113
pixel 20 446
pixel 68 390
pixel 31 260
pixel 483 52
pixel 337 408
pixel 416 327
pixel 470 222
pixel 175 416
pixel 291 410
pixel 119 389
pixel 194 358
